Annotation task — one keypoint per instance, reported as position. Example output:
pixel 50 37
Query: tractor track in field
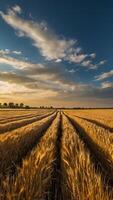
pixel 12 169
pixel 96 122
pixel 21 123
pixel 101 165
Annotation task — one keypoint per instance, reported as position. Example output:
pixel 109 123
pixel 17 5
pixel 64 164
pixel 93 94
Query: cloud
pixel 71 71
pixel 89 64
pixel 53 78
pixel 51 72
pixel 14 62
pixel 17 52
pixel 32 89
pixel 102 62
pixel 106 85
pixel 51 46
pixel 49 77
pixel 93 55
pixel 17 9
pixel 76 58
pixel 104 75
pixel 8 51
pixel 37 82
pixel 12 83
pixel 11 90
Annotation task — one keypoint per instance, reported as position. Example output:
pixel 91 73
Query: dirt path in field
pixel 96 122
pixel 101 165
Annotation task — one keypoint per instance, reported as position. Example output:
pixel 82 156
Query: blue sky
pixel 56 52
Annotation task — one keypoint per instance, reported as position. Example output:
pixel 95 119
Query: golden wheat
pixel 79 178
pixel 14 145
pixel 99 140
pixel 34 178
pixel 42 155
pixel 22 122
pixel 103 116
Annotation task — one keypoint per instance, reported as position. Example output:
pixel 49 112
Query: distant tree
pixel 27 107
pixel 5 105
pixel 41 106
pixel 0 105
pixel 11 105
pixel 21 105
pixel 16 105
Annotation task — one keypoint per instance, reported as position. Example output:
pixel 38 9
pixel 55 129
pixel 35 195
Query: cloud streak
pixel 104 75
pixel 51 46
pixel 8 52
pixel 16 63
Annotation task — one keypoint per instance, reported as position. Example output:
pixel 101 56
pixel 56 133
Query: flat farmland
pixel 48 154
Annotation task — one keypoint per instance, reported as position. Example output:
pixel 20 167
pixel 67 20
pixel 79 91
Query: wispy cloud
pixel 51 46
pixel 17 9
pixel 53 72
pixel 104 75
pixel 8 51
pixel 14 62
pixel 107 85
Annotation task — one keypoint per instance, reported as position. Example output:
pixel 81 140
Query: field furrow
pixel 15 145
pixel 17 124
pixel 55 190
pixel 80 181
pixel 34 179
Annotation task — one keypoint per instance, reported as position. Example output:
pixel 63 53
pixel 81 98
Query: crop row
pixel 54 156
pixel 15 145
pixel 22 122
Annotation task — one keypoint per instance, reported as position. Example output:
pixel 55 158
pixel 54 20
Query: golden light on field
pixel 54 151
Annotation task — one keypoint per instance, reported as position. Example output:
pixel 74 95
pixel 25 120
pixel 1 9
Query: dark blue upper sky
pixel 89 22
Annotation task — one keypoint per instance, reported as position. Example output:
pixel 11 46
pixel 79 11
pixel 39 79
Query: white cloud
pixel 92 55
pixel 102 62
pixel 106 85
pixel 104 75
pixel 17 52
pixel 86 63
pixel 51 46
pixel 76 58
pixel 8 51
pixel 17 63
pixel 89 64
pixel 71 71
pixel 17 9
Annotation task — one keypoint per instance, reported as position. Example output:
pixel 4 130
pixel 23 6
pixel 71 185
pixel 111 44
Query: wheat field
pixel 48 154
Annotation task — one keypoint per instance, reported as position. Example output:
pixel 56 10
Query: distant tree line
pixel 46 107
pixel 14 105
